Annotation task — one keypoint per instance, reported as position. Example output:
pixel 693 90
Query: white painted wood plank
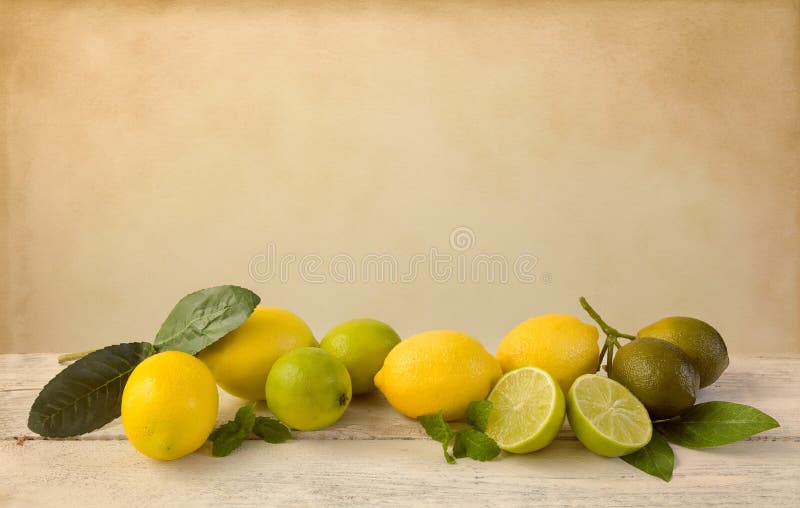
pixel 359 473
pixel 769 382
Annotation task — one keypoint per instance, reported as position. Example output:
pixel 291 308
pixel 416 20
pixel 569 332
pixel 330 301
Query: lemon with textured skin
pixel 362 345
pixel 169 405
pixel 699 340
pixel 241 360
pixel 527 410
pixel 308 389
pixel 561 344
pixel 437 370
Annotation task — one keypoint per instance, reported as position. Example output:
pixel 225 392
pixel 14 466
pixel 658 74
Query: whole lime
pixel 169 405
pixel 241 360
pixel 659 374
pixel 308 389
pixel 699 340
pixel 361 345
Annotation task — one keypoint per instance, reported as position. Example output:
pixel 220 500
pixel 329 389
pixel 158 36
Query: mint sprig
pixel 469 442
pixel 440 431
pixel 475 444
pixel 230 436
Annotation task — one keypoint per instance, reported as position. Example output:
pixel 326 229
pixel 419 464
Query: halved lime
pixel 528 410
pixel 607 418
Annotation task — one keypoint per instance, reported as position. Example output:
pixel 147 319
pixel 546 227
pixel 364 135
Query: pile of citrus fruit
pixel 545 369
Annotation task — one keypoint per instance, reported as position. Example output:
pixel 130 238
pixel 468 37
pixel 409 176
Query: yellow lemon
pixel 169 405
pixel 241 360
pixel 438 370
pixel 562 345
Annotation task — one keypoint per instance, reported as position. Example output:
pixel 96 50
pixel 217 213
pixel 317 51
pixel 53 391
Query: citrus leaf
pixel 478 413
pixel 271 430
pixel 203 317
pixel 88 393
pixel 716 423
pixel 656 458
pixel 475 445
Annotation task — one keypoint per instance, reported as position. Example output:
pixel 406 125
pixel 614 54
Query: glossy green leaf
pixel 716 423
pixel 88 393
pixel 203 317
pixel 655 459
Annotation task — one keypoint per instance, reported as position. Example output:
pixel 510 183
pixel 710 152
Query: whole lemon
pixel 699 340
pixel 169 405
pixel 438 370
pixel 562 345
pixel 308 389
pixel 241 360
pixel 362 345
pixel 659 374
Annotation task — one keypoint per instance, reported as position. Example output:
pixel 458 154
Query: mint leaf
pixel 226 438
pixel 246 417
pixel 715 424
pixel 478 413
pixel 231 435
pixel 475 445
pixel 655 459
pixel 438 430
pixel 271 430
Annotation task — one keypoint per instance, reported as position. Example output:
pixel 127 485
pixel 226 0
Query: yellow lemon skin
pixel 437 370
pixel 561 344
pixel 241 360
pixel 169 405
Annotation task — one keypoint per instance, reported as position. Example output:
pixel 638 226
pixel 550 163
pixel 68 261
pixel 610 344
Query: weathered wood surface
pixel 376 456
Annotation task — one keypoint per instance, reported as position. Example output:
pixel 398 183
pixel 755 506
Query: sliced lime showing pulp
pixel 607 418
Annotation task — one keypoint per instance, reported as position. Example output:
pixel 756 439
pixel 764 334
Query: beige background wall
pixel 645 152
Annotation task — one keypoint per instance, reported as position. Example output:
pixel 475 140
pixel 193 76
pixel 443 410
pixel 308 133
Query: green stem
pixel 588 308
pixel 612 336
pixel 71 357
pixel 602 353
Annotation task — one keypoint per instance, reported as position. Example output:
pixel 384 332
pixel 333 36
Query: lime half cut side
pixel 607 418
pixel 528 410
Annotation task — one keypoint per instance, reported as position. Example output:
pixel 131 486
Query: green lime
pixel 528 410
pixel 659 374
pixel 606 417
pixel 361 345
pixel 308 389
pixel 699 340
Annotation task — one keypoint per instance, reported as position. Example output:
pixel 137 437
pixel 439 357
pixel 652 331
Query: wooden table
pixel 375 456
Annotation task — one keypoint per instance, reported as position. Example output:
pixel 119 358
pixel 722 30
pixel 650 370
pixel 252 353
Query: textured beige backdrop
pixel 645 152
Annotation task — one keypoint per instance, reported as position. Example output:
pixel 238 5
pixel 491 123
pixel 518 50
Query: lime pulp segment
pixel 528 410
pixel 607 418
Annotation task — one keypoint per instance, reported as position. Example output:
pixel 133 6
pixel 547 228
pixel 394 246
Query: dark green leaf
pixel 246 418
pixel 438 430
pixel 655 459
pixel 478 413
pixel 271 430
pixel 203 317
pixel 475 445
pixel 227 438
pixel 715 424
pixel 231 435
pixel 230 427
pixel 88 393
